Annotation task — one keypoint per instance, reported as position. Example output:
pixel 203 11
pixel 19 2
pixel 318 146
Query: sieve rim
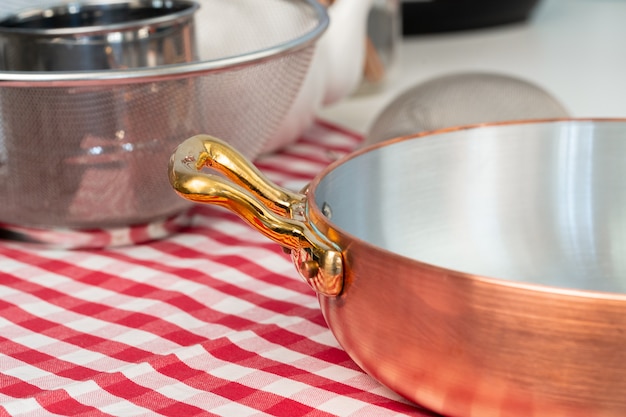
pixel 170 71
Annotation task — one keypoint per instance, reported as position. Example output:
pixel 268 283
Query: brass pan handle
pixel 276 212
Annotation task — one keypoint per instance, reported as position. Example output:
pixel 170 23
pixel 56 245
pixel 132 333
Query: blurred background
pixel 572 49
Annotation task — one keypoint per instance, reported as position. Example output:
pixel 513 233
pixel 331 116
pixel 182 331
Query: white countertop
pixel 574 49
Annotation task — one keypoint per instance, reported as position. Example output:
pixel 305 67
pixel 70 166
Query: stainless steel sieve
pixel 82 149
pixel 460 99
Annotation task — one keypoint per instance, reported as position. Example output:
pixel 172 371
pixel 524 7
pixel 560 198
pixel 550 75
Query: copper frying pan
pixel 478 271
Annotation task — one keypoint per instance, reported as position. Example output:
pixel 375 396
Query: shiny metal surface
pixel 537 203
pixel 477 261
pixel 484 267
pixel 99 35
pixel 78 148
pixel 244 40
pixel 275 212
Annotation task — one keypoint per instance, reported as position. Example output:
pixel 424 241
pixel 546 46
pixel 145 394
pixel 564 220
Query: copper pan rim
pixel 318 216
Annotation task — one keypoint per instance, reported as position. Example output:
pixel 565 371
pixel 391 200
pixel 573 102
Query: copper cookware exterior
pixel 467 346
pixel 461 344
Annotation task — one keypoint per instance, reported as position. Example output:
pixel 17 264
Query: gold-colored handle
pixel 274 211
pixel 210 152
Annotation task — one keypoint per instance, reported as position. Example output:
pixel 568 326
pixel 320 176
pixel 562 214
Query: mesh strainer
pixel 462 99
pixel 90 149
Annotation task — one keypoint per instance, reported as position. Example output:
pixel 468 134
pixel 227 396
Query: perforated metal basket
pixel 89 149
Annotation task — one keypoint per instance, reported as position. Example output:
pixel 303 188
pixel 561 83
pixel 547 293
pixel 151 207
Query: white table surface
pixel 574 49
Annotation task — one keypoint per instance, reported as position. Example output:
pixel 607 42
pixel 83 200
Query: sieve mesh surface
pixel 96 155
pixel 463 99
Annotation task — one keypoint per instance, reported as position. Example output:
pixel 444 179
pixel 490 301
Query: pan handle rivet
pixel 309 268
pixel 326 210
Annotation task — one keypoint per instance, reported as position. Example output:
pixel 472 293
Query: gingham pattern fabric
pixel 212 320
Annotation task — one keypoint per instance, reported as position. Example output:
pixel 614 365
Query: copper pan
pixel 478 271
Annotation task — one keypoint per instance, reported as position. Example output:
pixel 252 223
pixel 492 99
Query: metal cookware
pixel 97 35
pixel 78 147
pixel 463 98
pixel 478 271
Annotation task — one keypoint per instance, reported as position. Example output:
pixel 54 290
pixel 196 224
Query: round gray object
pixel 463 99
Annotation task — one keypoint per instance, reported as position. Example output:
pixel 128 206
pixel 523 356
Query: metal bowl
pixel 478 271
pixel 78 147
pixel 97 35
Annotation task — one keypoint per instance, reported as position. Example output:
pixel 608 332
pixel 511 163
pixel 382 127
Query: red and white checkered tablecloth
pixel 212 320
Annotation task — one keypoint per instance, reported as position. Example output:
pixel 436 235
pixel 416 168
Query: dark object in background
pixel 431 16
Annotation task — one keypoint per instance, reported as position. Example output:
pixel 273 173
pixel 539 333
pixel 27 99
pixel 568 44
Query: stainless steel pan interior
pixel 535 203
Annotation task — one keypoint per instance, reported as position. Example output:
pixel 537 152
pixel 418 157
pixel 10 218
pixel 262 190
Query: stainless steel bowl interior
pixel 94 16
pixel 99 35
pixel 233 33
pixel 539 203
